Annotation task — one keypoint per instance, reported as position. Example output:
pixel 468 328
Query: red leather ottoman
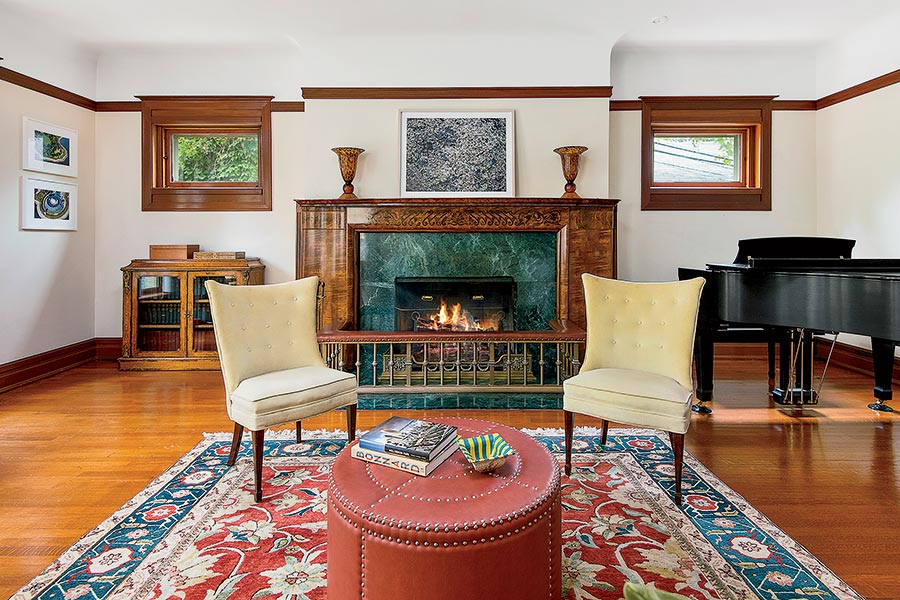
pixel 456 534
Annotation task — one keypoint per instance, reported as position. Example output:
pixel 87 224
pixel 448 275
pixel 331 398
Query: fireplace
pixel 455 303
pixel 360 248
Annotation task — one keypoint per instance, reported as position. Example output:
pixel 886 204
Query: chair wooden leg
pixel 570 426
pixel 235 444
pixel 677 440
pixel 604 430
pixel 258 440
pixel 351 422
pixel 299 435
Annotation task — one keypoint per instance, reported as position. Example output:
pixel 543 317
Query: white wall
pixel 653 244
pixel 47 276
pixel 541 125
pixel 124 232
pixel 65 64
pixel 719 70
pixel 858 175
pixel 860 55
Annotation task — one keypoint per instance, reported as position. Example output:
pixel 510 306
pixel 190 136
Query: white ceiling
pixel 104 25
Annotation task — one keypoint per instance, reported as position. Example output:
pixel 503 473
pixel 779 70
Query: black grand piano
pixel 790 288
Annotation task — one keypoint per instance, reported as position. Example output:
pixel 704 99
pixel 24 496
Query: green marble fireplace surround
pixel 529 257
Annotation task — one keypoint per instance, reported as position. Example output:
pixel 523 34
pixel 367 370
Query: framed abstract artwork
pixel 49 148
pixel 48 204
pixel 457 154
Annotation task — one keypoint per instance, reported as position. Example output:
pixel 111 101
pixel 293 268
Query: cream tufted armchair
pixel 274 374
pixel 637 364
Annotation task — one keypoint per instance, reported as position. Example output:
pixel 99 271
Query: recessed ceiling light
pixel 659 20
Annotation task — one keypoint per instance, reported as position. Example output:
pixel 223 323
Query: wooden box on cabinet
pixel 166 322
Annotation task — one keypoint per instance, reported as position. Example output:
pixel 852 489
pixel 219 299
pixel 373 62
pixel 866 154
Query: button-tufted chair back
pixel 643 326
pixel 264 328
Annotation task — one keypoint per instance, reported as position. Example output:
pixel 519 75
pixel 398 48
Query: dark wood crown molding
pixel 47 89
pixel 441 93
pixel 615 105
pixel 125 106
pixel 445 93
pixel 287 106
pixel 858 90
pixel 793 105
pixel 135 106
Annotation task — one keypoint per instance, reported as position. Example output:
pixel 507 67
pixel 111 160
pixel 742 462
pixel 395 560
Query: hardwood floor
pixel 76 446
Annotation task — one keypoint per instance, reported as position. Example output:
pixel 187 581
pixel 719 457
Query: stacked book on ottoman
pixel 410 445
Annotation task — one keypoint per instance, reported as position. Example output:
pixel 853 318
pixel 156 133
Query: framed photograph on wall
pixel 48 204
pixel 49 148
pixel 457 154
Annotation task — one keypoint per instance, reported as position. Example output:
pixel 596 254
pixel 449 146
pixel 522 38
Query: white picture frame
pixel 457 154
pixel 49 148
pixel 49 204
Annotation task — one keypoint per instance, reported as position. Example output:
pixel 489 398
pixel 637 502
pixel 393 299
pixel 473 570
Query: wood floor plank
pixel 78 445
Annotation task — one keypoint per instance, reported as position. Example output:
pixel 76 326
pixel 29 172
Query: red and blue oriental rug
pixel 195 532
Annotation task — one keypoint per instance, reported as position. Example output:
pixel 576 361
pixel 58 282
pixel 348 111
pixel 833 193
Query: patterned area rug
pixel 195 533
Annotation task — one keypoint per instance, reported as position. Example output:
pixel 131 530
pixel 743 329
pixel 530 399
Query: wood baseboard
pixel 740 350
pixel 32 368
pixel 852 357
pixel 109 348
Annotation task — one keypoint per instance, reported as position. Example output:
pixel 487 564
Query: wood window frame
pixel 162 116
pixel 699 115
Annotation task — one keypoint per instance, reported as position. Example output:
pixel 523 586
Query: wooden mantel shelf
pixel 420 202
pixel 328 234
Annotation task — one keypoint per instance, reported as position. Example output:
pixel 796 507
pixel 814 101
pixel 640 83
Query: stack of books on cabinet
pixel 410 445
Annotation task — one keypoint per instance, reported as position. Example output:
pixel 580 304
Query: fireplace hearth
pixel 455 303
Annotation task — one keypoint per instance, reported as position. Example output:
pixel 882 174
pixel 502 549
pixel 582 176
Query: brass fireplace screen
pixel 429 361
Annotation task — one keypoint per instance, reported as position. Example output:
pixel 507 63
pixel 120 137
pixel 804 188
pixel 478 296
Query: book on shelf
pixel 407 464
pixel 418 439
pixel 219 255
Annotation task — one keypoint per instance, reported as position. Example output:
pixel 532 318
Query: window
pixel 207 153
pixel 706 153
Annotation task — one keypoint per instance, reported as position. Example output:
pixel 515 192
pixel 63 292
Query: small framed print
pixel 48 204
pixel 457 154
pixel 49 148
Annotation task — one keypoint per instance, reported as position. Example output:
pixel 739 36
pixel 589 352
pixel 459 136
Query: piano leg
pixel 703 353
pixel 883 365
pixel 770 354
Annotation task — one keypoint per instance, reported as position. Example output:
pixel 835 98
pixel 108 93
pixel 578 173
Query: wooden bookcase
pixel 166 321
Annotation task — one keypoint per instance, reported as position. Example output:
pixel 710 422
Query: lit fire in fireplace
pixel 456 318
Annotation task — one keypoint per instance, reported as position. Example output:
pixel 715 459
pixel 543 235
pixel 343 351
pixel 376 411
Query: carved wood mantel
pixel 328 239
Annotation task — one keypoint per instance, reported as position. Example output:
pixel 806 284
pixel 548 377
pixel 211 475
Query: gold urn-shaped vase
pixel 569 156
pixel 347 158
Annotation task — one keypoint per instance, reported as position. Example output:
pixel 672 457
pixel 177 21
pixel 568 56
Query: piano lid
pixel 793 247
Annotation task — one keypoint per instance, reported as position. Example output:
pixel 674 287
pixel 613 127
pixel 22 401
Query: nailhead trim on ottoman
pixel 454 534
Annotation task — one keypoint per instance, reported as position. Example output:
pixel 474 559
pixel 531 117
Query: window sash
pixel 169 159
pixel 743 155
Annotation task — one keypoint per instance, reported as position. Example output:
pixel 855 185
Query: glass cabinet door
pixel 159 300
pixel 202 337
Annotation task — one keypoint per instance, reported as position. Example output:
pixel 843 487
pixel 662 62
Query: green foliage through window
pixel 215 157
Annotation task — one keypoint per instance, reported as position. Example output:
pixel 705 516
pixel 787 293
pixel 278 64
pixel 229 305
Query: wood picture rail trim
pixel 858 90
pixel 436 93
pixel 42 87
pixel 135 106
pixel 443 93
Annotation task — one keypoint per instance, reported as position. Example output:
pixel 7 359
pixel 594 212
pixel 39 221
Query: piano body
pixel 791 288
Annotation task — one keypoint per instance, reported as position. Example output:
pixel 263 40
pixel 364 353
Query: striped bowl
pixel 485 452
